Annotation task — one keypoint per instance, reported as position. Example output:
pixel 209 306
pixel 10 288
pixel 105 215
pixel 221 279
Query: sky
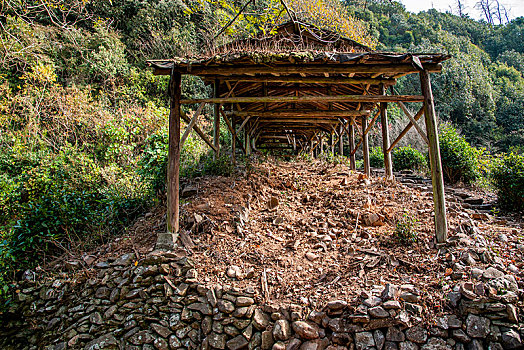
pixel 515 7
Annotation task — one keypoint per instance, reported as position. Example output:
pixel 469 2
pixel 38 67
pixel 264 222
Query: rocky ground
pixel 282 243
pixel 307 232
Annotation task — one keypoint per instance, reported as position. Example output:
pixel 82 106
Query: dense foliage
pixel 408 158
pixel 508 179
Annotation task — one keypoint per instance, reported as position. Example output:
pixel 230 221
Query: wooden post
pixel 321 144
pixel 365 146
pixel 216 121
pixel 168 240
pixel 341 140
pixel 332 142
pixel 352 162
pixel 311 150
pixel 437 180
pixel 385 135
pixel 233 142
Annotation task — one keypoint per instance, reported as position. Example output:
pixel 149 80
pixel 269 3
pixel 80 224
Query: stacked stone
pixel 158 303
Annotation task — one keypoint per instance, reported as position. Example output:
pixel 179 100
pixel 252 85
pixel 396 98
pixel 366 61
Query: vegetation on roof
pixel 255 20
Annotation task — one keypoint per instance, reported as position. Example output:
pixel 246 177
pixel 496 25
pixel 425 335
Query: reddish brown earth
pixel 320 242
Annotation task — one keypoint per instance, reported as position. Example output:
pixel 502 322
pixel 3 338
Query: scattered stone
pixel 436 344
pixel 391 305
pixel 476 326
pixel 234 271
pixel 189 191
pixel 272 203
pixel 305 330
pixel 390 292
pixel 217 340
pixel 408 345
pixel 372 302
pixel 417 334
pixel 311 256
pixel 492 273
pixel 260 319
pixel 107 341
pixel 281 330
pixel 364 340
pixel 237 343
pixel 395 334
pixel 378 312
pixel 337 304
pixel 511 340
pixel 379 338
pixel 225 306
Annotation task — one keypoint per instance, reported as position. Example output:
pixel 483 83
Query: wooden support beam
pixel 298 69
pixel 414 122
pixel 200 133
pixel 406 129
pixel 351 135
pixel 173 156
pixel 341 139
pixel 231 128
pixel 437 179
pixel 388 166
pixel 365 147
pixel 216 121
pixel 191 124
pixel 300 113
pixel 307 99
pixel 243 124
pixel 309 80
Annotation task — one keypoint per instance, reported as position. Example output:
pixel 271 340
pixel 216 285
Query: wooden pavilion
pixel 292 90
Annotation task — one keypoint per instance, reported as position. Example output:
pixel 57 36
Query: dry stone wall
pixel 158 303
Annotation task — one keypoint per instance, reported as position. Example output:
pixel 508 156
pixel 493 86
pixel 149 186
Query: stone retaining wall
pixel 158 303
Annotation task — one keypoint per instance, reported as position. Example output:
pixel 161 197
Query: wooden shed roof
pixel 275 91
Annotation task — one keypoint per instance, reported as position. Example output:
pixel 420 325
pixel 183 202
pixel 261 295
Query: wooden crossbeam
pixel 300 113
pixel 305 69
pixel 419 114
pixel 308 80
pixel 307 99
pixel 414 122
pixel 191 124
pixel 200 133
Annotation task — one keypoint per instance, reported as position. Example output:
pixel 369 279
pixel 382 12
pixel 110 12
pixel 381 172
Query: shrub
pixel 508 179
pixel 408 158
pixel 460 161
pixel 405 228
pixel 376 157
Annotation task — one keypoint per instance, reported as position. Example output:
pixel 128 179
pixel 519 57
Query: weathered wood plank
pixel 307 99
pixel 297 69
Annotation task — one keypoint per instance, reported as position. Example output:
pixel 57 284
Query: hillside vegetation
pixel 83 121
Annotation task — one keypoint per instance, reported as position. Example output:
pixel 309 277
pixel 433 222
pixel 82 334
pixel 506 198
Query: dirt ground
pixel 307 232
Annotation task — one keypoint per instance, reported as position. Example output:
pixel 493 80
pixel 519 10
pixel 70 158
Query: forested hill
pixel 83 121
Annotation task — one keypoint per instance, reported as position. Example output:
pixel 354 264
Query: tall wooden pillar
pixel 168 240
pixel 311 150
pixel 321 144
pixel 352 162
pixel 365 146
pixel 385 135
pixel 216 121
pixel 437 179
pixel 332 143
pixel 233 142
pixel 341 140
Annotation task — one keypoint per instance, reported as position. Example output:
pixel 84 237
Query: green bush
pixel 405 229
pixel 408 158
pixel 460 161
pixel 58 201
pixel 376 158
pixel 508 179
